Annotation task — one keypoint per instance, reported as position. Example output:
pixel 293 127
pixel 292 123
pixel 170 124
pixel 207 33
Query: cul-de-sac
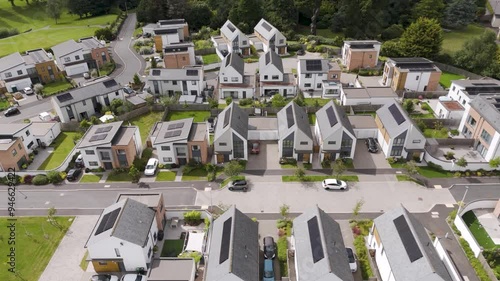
pixel 249 140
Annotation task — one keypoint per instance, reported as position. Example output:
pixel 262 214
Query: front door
pixel 284 93
pixel 182 161
pixel 300 157
pixel 306 158
pixel 244 94
pixel 108 165
pixel 226 157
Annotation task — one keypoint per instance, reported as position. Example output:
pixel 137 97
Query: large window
pixel 167 159
pixel 485 136
pixel 399 141
pixel 308 75
pixel 105 155
pixel 396 151
pixel 89 152
pixel 165 148
pixel 234 79
pixel 239 149
pixel 471 121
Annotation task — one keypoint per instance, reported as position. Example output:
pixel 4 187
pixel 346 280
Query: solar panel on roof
pixel 332 118
pixel 172 126
pixel 192 72
pixel 313 65
pixel 103 129
pixel 315 239
pixel 362 46
pixel 101 136
pixel 93 138
pixel 109 83
pixel 176 133
pixel 407 238
pixel 64 97
pixel 396 114
pixel 227 115
pixel 156 72
pixel 225 241
pixel 107 222
pixel 266 26
pixel 268 57
pixel 231 27
pixel 289 117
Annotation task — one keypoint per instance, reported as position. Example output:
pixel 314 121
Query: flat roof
pixel 6 143
pixel 362 121
pixel 171 269
pixel 124 135
pixel 198 132
pixel 263 123
pixel 41 128
pixel 452 105
pixel 370 92
pixel 148 199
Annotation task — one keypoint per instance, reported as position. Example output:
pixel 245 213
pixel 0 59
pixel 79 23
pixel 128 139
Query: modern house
pixel 167 32
pixel 449 109
pixel 123 238
pixel 16 143
pixel 333 133
pixel 153 200
pixel 273 80
pixel 234 248
pixel 78 57
pixel 178 142
pixel 495 17
pixel 231 40
pixel 481 122
pixel 23 131
pixel 464 91
pixel 360 54
pixel 20 71
pixel 367 95
pixel 411 74
pixel 404 250
pixel 45 132
pixel 179 55
pixel 232 80
pixel 312 73
pixel 110 146
pixel 320 252
pixel 295 134
pixel 81 103
pixel 185 81
pixel 398 136
pixel 266 37
pixel 231 134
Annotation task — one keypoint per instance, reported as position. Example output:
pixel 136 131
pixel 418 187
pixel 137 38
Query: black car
pixel 73 174
pixel 300 52
pixel 269 247
pixel 11 111
pixel 371 144
pixel 238 185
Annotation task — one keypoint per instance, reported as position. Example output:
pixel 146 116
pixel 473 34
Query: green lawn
pixel 107 69
pixel 288 166
pixel 306 30
pixel 195 175
pixel 419 115
pixel 45 32
pixel 165 176
pixel 312 118
pixel 4 104
pixel 36 242
pixel 406 178
pixel 118 177
pixel 56 87
pixel 432 133
pixel 453 41
pixel 172 248
pixel 199 116
pixel 62 145
pixel 428 172
pixel 89 178
pixel 317 178
pixel 210 58
pixel 312 101
pixel 446 78
pixel 145 122
pixel 478 231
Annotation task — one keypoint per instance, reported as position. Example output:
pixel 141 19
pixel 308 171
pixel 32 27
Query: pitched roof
pixel 36 56
pixel 265 29
pixel 394 118
pixel 89 43
pixel 332 117
pixel 230 30
pixel 313 65
pixel 82 93
pixel 293 117
pixel 234 248
pixel 11 61
pixel 172 131
pixel 488 107
pixel 235 61
pixel 100 134
pixel 401 247
pixel 65 48
pixel 271 58
pixel 320 252
pixel 232 117
pixel 176 74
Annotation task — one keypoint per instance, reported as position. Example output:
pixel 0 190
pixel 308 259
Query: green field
pixel 199 116
pixel 36 242
pixel 446 78
pixel 210 58
pixel 62 145
pixel 44 33
pixel 454 40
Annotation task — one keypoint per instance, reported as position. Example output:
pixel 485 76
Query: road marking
pixel 449 205
pixel 62 194
pixel 399 172
pixel 437 186
pixel 47 202
pixel 434 215
pixel 107 185
pixel 208 189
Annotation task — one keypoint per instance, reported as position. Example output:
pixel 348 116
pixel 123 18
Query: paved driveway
pixel 366 160
pixel 267 159
pixel 349 242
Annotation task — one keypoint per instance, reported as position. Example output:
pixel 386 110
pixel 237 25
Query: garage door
pixel 76 69
pixel 365 133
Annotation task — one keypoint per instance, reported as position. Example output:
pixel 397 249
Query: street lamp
pixel 463 200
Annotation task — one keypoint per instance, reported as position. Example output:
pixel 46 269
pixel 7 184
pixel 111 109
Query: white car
pixel 334 184
pixel 133 277
pixel 151 167
pixel 45 116
pixel 104 277
pixel 28 91
pixel 353 261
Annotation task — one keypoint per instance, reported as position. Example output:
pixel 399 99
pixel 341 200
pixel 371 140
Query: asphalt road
pixel 476 192
pixel 28 110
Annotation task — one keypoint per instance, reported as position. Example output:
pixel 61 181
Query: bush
pixel 392 32
pixel 476 264
pixel 7 32
pixel 28 179
pixel 366 270
pixel 294 47
pixel 40 180
pixel 145 50
pixel 192 217
pixel 425 106
pixel 434 166
pixel 54 177
pixel 282 246
pixel 104 34
pixel 229 100
pixel 245 102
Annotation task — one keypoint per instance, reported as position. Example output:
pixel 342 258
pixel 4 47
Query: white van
pixel 45 116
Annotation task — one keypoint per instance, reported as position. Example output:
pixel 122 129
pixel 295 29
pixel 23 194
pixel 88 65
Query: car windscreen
pixel 350 255
pixel 268 274
pixel 150 167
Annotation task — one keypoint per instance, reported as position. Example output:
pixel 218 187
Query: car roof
pixel 268 239
pixel 151 161
pixel 331 181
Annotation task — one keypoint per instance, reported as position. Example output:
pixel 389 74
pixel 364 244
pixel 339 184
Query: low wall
pixel 134 113
pixel 449 166
pixel 431 122
pixel 425 95
pixel 206 51
pixel 456 141
pixel 189 107
pixel 448 262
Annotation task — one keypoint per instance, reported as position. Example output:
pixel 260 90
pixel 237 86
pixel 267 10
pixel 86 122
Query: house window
pixel 275 77
pixel 174 82
pixel 308 75
pixel 307 85
pixel 20 147
pixel 304 143
pixel 265 77
pixel 195 147
pixel 396 151
pixel 165 148
pixel 84 103
pixel 318 85
pixel 371 56
pixel 77 57
pixel 117 252
pixel 225 79
pixel 22 138
pixel 117 93
pixel 417 141
pixel 234 79
pixel 154 236
pixel 485 136
pixel 471 121
pixel 30 144
pixel 93 163
pixel 243 42
pixel 105 155
pixel 67 59
pixel 463 102
pixel 8 74
pixel 223 144
pixel 89 152
pixel 282 41
pixel 193 82
pixel 19 72
pixel 334 76
pixel 27 133
pixel 103 263
pixel 149 252
pixel 399 141
pixel 14 152
pixel 346 142
pixel 287 143
pixel 332 142
pixel 167 159
pixel 417 77
pixel 103 56
pixel 320 74
pixel 453 88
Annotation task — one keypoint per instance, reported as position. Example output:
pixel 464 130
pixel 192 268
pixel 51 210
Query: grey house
pixel 295 136
pixel 334 133
pixel 234 248
pixel 320 253
pixel 231 134
pixel 404 250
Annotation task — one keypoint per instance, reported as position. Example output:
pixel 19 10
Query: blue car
pixel 268 270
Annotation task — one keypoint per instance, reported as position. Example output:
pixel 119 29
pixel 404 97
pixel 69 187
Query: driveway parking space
pixel 366 160
pixel 267 159
pixel 349 242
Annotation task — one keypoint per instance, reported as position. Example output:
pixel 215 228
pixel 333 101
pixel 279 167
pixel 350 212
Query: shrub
pixel 294 47
pixel 229 100
pixel 425 106
pixel 104 34
pixel 63 175
pixel 476 264
pixel 282 246
pixel 434 166
pixel 326 164
pixel 147 153
pixel 145 50
pixel 192 217
pixel 454 132
pixel 7 32
pixel 245 102
pixel 54 177
pixel 28 179
pixel 40 180
pixel 366 270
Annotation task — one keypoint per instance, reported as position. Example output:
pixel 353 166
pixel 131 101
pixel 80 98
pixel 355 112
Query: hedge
pixel 363 258
pixel 476 264
pixel 282 246
pixel 40 180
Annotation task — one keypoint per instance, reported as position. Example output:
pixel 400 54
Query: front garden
pixel 62 146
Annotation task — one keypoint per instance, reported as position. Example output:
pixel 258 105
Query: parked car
pixel 268 270
pixel 103 277
pixel 28 91
pixel 353 261
pixel 334 184
pixel 151 167
pixel 269 247
pixel 11 111
pixel 300 52
pixel 128 91
pixel 73 174
pixel 86 75
pixel 238 185
pixel 133 277
pixel 79 161
pixel 371 144
pixel 255 147
pixel 211 122
pixel 45 116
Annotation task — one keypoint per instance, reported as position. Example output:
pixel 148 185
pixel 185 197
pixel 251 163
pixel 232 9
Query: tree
pixel 85 124
pixel 495 162
pixel 284 211
pixel 38 88
pixel 478 53
pixel 392 32
pixel 246 14
pixel 357 208
pixel 338 168
pixel 422 38
pixel 391 48
pixel 311 9
pixel 151 10
pixel 283 15
pixel 233 168
pixel 94 120
pixel 409 105
pixel 104 34
pixel 199 14
pixel 459 13
pixel 177 9
pixel 154 64
pixel 461 162
pixel 134 174
pixel 278 101
pixel 299 99
pixel 54 9
pixel 432 9
pixel 411 168
pixel 137 80
pixel 78 7
pixel 300 173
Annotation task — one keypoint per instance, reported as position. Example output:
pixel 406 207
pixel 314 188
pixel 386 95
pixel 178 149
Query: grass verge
pixel 317 178
pixel 165 176
pixel 62 145
pixel 429 172
pixel 84 263
pixel 90 178
pixel 172 248
pixel 195 175
pixel 119 177
pixel 475 227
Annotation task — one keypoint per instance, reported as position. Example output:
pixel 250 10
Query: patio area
pixel 467 152
pixel 176 230
pixel 490 223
